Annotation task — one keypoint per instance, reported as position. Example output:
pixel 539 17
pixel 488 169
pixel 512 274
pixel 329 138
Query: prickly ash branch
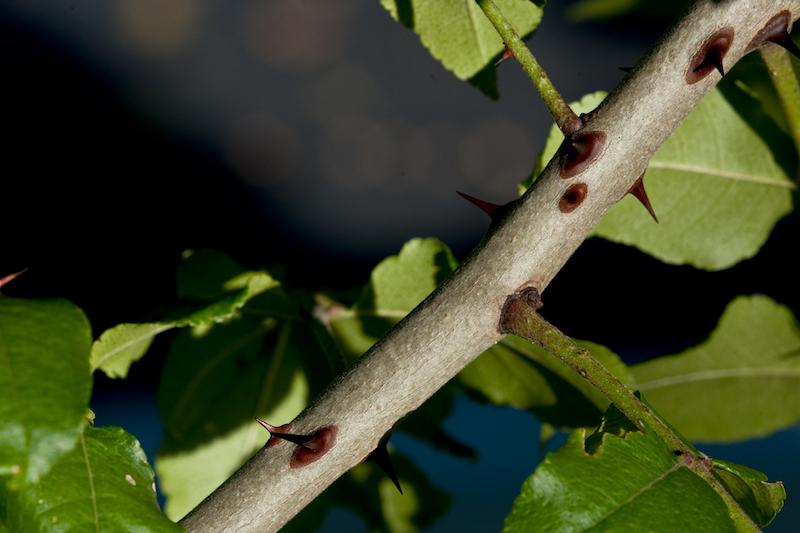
pixel 526 247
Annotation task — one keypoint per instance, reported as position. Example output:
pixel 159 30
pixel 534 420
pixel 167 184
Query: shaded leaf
pixel 458 34
pixel 760 499
pixel 626 483
pixel 743 382
pixel 40 420
pixel 122 345
pixel 213 385
pixel 521 374
pixel 103 484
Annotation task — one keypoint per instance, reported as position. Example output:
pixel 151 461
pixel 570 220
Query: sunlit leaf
pixel 103 484
pixel 44 384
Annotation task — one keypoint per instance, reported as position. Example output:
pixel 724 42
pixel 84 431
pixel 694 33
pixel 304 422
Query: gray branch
pixel 460 320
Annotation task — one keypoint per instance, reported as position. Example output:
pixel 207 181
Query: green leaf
pixel 457 33
pixel 214 383
pixel 628 481
pixel 742 383
pixel 760 499
pixel 103 484
pixel 518 373
pixel 122 345
pixel 717 186
pixel 40 419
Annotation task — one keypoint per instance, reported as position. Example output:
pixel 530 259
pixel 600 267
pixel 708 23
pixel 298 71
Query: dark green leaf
pixel 760 499
pixel 122 345
pixel 458 34
pixel 743 382
pixel 632 482
pixel 40 419
pixel 214 384
pixel 103 484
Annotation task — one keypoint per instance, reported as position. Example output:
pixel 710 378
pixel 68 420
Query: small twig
pixel 566 119
pixel 779 65
pixel 520 317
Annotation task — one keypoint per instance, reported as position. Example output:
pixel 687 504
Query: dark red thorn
pixel 278 432
pixel 776 31
pixel 507 54
pixel 380 456
pixel 638 191
pixel 710 56
pixel 487 207
pixel 580 150
pixel 11 277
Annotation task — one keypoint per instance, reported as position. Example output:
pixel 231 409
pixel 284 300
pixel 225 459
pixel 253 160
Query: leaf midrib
pixel 90 477
pixel 726 174
pixel 722 373
pixel 126 345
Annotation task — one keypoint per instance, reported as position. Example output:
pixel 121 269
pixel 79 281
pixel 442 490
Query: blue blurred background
pixel 318 136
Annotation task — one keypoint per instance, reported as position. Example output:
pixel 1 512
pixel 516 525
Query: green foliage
pixel 642 483
pixel 743 382
pixel 719 184
pixel 122 345
pixel 458 34
pixel 44 385
pixel 103 484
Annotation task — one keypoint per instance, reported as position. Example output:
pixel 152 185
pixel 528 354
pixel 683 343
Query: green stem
pixel 566 119
pixel 521 319
pixel 779 65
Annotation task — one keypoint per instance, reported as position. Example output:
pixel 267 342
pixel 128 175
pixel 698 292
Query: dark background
pixel 318 136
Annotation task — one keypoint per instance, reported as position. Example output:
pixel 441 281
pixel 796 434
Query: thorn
pixel 276 432
pixel 713 58
pixel 785 40
pixel 380 456
pixel 11 277
pixel 487 207
pixel 625 69
pixel 638 191
pixel 507 54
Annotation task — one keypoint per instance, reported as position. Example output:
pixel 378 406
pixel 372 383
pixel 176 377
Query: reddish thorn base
pixel 318 445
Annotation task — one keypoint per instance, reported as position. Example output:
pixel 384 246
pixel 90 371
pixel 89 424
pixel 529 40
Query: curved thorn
pixel 487 207
pixel 11 277
pixel 713 58
pixel 638 191
pixel 300 440
pixel 785 40
pixel 507 54
pixel 380 456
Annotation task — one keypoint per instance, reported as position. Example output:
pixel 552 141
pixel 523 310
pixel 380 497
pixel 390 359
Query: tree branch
pixel 526 248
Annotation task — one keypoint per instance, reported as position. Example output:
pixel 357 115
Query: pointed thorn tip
pixel 11 277
pixel 487 207
pixel 507 54
pixel 638 191
pixel 266 425
pixel 380 456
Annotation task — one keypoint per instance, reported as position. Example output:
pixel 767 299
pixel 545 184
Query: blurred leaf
pixel 40 419
pixel 521 374
pixel 458 34
pixel 103 484
pixel 719 184
pixel 743 382
pixel 628 481
pixel 760 499
pixel 119 347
